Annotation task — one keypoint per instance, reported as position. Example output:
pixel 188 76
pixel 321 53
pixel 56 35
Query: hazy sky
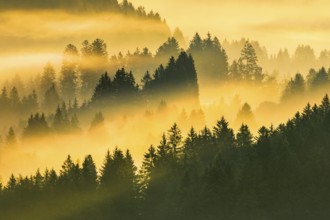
pixel 275 23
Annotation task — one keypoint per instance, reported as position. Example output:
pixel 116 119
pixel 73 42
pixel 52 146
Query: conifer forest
pixel 169 110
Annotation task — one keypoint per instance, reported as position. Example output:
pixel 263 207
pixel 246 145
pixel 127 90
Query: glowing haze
pixel 275 23
pixel 25 47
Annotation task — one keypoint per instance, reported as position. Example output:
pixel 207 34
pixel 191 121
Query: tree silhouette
pixel 89 173
pixel 11 137
pixel 36 126
pixel 247 64
pixel 69 73
pixel 295 88
pixel 211 59
pixel 51 99
pixel 48 78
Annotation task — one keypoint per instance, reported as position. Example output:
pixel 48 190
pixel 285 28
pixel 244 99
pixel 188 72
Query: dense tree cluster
pixel 211 58
pixel 139 61
pixel 247 68
pixel 36 126
pixel 64 120
pixel 171 83
pixel 282 62
pixel 178 79
pixel 170 48
pixel 11 104
pixel 280 174
pixel 316 81
pixel 121 89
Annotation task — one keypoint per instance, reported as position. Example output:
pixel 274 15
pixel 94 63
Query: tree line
pixel 299 86
pixel 178 79
pixel 81 68
pixel 125 7
pixel 282 173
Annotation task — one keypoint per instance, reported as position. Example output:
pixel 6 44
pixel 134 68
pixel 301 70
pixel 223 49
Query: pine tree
pixel 47 79
pixel 244 137
pixel 50 180
pixel 98 120
pixel 247 64
pixel 94 62
pixel 245 115
pixel 51 99
pixel 223 134
pixel 105 173
pixel 11 137
pixel 295 88
pixel 320 79
pixel 11 186
pixel 38 181
pixel 4 99
pixel 196 45
pixel 37 126
pixel 104 90
pixel 69 73
pixel 175 139
pixel 60 124
pixel 70 175
pixel 14 99
pixel 170 48
pixel 148 165
pixel 89 173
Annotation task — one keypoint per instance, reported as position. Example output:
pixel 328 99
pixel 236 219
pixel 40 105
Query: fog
pixel 136 128
pixel 30 39
pixel 276 24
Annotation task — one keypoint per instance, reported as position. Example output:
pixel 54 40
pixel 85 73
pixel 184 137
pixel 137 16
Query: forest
pixel 91 82
pixel 111 111
pixel 282 173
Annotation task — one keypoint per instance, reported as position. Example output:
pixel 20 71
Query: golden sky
pixel 275 23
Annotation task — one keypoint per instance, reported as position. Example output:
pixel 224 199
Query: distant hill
pixel 124 7
pixel 48 25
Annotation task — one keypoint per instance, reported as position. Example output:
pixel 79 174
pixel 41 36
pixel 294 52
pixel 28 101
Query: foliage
pixel 210 173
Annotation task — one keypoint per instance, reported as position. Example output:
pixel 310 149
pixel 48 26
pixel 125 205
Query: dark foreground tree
pixel 281 173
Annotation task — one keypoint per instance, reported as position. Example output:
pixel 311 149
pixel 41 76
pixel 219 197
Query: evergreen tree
pixel 175 139
pixel 148 165
pixel 47 79
pixel 247 64
pixel 124 85
pixel 104 90
pixel 211 59
pixel 14 99
pixel 69 73
pixel 170 48
pixel 61 123
pixel 320 79
pixel 4 99
pixel 11 137
pixel 11 185
pixel 223 134
pixel 75 123
pixel 196 45
pixel 89 173
pixel 36 126
pixel 94 61
pixel 244 137
pixel 51 99
pixel 98 120
pixel 50 181
pixel 245 115
pixel 295 88
pixel 70 175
